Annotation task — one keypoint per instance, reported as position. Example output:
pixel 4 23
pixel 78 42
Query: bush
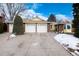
pixel 18 28
pixel 1 27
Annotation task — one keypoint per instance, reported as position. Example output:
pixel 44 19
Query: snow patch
pixel 11 36
pixel 68 40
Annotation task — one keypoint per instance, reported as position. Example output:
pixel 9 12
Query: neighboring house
pixel 34 25
pixel 64 26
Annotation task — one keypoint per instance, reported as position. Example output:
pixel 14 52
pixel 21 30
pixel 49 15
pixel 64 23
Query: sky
pixel 60 10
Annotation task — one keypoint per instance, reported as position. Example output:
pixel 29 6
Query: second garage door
pixel 41 27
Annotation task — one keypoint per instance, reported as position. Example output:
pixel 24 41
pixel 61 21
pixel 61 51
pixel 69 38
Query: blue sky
pixel 46 9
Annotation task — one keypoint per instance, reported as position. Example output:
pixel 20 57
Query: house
pixel 34 25
pixel 64 26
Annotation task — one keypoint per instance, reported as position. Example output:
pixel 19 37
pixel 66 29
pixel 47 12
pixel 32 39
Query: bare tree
pixel 10 10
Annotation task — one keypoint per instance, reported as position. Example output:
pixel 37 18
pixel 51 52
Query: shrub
pixel 1 27
pixel 18 28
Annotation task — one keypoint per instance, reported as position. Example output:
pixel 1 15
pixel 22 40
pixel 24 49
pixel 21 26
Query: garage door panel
pixel 41 27
pixel 30 27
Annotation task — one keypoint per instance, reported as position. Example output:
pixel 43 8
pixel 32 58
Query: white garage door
pixel 30 27
pixel 41 27
pixel 10 28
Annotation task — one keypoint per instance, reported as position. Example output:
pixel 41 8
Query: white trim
pixel 10 28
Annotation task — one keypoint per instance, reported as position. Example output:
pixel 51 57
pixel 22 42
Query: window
pixel 68 26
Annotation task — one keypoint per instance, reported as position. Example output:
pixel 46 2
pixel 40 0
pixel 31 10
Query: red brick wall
pixel 48 27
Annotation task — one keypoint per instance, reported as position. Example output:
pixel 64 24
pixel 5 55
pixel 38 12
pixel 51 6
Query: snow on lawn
pixel 67 39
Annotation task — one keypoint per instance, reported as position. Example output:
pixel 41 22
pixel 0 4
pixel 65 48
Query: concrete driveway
pixel 31 44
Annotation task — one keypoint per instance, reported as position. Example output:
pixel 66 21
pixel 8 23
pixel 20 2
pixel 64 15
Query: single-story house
pixel 34 25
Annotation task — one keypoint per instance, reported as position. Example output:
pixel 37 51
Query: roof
pixel 64 21
pixel 34 20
